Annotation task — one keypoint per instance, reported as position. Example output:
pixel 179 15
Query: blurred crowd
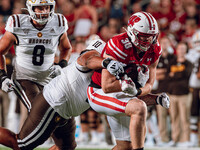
pixel 178 22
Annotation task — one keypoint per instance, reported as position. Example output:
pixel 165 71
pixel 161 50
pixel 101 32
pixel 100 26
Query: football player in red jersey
pixel 59 100
pixel 120 100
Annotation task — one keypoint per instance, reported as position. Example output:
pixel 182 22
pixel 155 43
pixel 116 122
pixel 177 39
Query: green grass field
pixel 4 148
pixel 155 148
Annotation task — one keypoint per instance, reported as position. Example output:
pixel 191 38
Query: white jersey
pixel 35 49
pixel 67 93
pixel 194 56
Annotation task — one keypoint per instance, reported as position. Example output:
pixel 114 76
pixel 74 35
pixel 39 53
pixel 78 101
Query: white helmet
pixel 142 24
pixel 32 3
pixel 196 39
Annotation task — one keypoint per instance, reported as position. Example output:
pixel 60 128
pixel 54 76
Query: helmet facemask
pixel 39 17
pixel 142 41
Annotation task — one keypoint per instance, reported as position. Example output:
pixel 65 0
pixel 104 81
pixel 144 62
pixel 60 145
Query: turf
pixel 3 148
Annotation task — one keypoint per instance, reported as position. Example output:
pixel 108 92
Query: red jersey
pixel 121 48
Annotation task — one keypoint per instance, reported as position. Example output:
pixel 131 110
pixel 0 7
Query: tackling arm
pixel 109 83
pixel 91 59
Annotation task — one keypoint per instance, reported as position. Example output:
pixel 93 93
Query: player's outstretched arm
pixel 156 99
pixel 92 60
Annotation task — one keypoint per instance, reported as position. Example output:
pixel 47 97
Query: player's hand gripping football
pixel 163 100
pixel 143 75
pixel 6 83
pixel 128 86
pixel 114 67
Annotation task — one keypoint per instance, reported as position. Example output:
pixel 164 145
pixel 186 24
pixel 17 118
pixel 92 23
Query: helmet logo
pixel 33 1
pixel 133 19
pixel 39 34
pixel 43 1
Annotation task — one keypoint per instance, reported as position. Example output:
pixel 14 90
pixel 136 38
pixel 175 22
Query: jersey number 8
pixel 38 55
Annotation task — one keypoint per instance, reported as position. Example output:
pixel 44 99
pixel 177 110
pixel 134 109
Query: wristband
pixel 63 63
pixel 139 91
pixel 105 62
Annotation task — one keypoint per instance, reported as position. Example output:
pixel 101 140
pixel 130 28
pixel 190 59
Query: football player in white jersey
pixel 63 97
pixel 36 37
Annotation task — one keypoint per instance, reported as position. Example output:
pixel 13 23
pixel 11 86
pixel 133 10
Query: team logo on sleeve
pixel 39 34
pixel 33 1
pixel 43 1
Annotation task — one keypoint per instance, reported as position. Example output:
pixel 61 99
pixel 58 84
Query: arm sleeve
pixel 65 23
pixel 97 45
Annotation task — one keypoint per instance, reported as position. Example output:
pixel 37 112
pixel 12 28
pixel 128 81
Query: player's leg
pixel 31 89
pixel 64 135
pixel 39 125
pixel 120 128
pixel 137 110
pixel 119 103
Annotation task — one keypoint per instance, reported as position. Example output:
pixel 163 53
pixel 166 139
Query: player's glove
pixel 129 87
pixel 143 75
pixel 55 71
pixel 56 68
pixel 163 100
pixel 5 83
pixel 114 67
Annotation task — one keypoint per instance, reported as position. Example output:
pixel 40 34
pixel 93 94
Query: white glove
pixel 143 77
pixel 55 71
pixel 7 85
pixel 163 100
pixel 114 67
pixel 128 86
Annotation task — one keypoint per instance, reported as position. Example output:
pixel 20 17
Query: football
pixel 131 71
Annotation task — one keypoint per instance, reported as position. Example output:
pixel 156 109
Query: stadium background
pixel 177 19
